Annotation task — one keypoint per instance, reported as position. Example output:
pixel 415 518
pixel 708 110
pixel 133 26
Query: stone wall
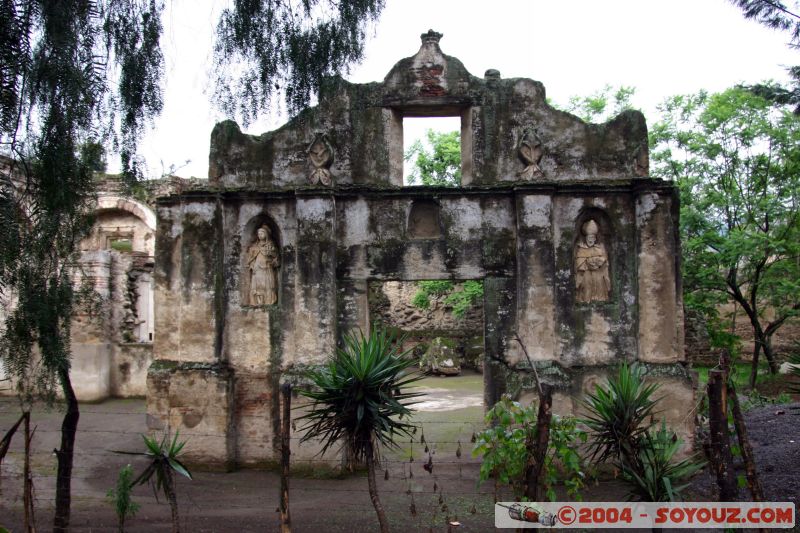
pixel 260 271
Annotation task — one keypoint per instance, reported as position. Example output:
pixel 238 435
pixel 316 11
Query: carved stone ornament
pixel 262 267
pixel 320 153
pixel 530 152
pixel 592 283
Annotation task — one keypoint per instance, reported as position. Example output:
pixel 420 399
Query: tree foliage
pixel 72 75
pixel 437 164
pixel 603 105
pixel 461 298
pixel 264 47
pixel 776 15
pixel 736 159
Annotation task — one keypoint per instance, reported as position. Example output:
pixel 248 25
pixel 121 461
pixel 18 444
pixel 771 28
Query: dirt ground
pixel 320 502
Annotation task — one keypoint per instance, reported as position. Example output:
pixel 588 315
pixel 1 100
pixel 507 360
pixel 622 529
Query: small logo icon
pixel 566 515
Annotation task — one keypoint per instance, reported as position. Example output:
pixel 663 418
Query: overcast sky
pixel 574 48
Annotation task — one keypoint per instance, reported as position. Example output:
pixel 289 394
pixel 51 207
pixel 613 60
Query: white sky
pixel 660 47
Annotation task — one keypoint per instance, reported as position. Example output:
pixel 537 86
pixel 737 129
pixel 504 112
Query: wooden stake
pixel 27 496
pixel 286 394
pixel 537 450
pixel 721 458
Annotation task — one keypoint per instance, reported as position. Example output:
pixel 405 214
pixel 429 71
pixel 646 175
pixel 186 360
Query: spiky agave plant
pixel 619 414
pixel 359 400
pixel 656 475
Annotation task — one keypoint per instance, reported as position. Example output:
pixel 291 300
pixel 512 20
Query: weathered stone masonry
pixel 328 185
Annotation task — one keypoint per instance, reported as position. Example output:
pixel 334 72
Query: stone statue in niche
pixel 592 283
pixel 530 152
pixel 320 153
pixel 262 265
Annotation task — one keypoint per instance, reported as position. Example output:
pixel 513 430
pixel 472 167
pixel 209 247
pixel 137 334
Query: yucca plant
pixel 163 456
pixel 653 477
pixel 619 414
pixel 359 401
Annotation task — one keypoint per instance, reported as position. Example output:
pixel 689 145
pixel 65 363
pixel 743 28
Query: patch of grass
pixel 467 382
pixel 741 374
pixel 444 429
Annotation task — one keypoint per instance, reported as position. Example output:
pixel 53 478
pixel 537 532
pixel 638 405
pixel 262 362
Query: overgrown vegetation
pixel 459 298
pixel 505 454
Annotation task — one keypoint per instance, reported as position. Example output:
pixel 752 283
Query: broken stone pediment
pixel 364 122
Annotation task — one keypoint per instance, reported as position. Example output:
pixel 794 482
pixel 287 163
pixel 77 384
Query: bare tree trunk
pixel 373 490
pixel 754 363
pixel 65 455
pixel 286 393
pixel 6 442
pixel 769 354
pixel 721 457
pixel 537 450
pixel 27 495
pixel 169 485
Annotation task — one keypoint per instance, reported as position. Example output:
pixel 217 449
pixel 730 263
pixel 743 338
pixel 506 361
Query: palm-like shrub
pixel 359 401
pixel 619 415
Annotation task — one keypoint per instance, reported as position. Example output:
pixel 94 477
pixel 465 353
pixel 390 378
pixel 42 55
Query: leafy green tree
pixel 78 75
pixel 360 401
pixel 439 164
pixel 736 159
pixel 776 15
pixel 603 105
pixel 73 74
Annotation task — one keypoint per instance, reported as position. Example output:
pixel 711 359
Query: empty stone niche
pixel 424 221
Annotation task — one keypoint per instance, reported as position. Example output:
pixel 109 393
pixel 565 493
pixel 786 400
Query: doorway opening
pixel 443 327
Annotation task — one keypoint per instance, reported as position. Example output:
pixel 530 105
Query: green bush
pixel 120 497
pixel 505 456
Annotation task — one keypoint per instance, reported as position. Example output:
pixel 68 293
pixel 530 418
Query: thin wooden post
pixel 537 449
pixel 286 426
pixel 721 458
pixel 27 491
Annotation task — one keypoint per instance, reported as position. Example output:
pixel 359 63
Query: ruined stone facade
pixel 329 187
